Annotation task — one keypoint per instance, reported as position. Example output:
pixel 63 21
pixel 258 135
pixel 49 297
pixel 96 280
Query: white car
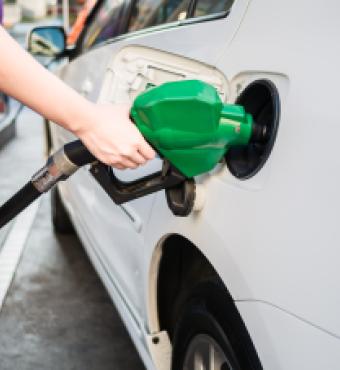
pixel 251 278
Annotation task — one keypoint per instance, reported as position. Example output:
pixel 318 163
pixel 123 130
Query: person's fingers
pixel 130 153
pixel 127 163
pixel 146 151
pixel 119 167
pixel 137 158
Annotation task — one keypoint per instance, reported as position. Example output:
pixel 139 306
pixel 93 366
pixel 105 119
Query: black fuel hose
pixel 22 199
pixel 59 167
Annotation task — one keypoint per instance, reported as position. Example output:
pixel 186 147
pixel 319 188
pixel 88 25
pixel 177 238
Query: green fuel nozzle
pixel 185 121
pixel 188 124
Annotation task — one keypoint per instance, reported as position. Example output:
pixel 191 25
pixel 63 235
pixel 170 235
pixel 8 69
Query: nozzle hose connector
pixel 59 167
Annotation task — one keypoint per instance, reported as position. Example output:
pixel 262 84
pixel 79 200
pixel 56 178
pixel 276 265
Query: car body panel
pixel 285 341
pixel 301 190
pixel 135 328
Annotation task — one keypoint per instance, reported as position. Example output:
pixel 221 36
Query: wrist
pixel 81 118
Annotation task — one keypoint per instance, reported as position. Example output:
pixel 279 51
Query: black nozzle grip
pixel 78 154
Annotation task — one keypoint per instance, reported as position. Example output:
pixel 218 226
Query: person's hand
pixel 112 138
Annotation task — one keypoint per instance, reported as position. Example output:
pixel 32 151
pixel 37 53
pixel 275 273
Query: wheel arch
pixel 168 268
pixel 168 274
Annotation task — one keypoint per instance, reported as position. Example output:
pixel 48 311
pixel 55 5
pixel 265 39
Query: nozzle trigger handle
pixel 121 192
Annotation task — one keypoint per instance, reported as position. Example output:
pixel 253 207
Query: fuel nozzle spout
pixel 260 133
pixel 238 128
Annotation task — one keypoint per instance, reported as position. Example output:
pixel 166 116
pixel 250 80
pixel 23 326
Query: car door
pixel 118 71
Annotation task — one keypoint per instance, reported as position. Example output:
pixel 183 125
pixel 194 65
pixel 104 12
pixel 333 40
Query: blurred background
pixel 39 329
pixel 18 17
pixel 16 11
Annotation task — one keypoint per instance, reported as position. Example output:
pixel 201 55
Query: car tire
pixel 209 321
pixel 61 221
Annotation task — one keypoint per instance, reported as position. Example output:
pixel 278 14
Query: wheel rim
pixel 204 353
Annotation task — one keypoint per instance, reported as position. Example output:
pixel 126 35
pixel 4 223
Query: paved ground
pixel 57 314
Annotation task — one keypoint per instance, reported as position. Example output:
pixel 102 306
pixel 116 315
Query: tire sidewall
pixel 61 220
pixel 207 311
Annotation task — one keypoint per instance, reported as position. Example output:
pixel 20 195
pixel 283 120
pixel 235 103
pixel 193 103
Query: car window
pixel 207 7
pixel 106 23
pixel 147 13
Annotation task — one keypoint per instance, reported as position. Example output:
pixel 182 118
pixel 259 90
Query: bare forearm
pixel 106 130
pixel 22 77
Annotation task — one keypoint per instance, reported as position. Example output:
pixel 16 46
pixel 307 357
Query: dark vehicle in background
pixel 3 105
pixel 9 109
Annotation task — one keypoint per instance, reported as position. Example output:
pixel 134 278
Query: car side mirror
pixel 47 41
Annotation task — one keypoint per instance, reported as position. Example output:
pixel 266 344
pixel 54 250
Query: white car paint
pixel 274 238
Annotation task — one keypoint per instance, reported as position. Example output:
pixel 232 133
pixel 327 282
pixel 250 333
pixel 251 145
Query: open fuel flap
pixel 178 105
pixel 261 99
pixel 134 70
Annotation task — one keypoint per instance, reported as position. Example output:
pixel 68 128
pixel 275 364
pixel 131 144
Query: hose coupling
pixel 57 168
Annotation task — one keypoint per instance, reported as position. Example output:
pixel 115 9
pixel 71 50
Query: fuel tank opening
pixel 261 100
